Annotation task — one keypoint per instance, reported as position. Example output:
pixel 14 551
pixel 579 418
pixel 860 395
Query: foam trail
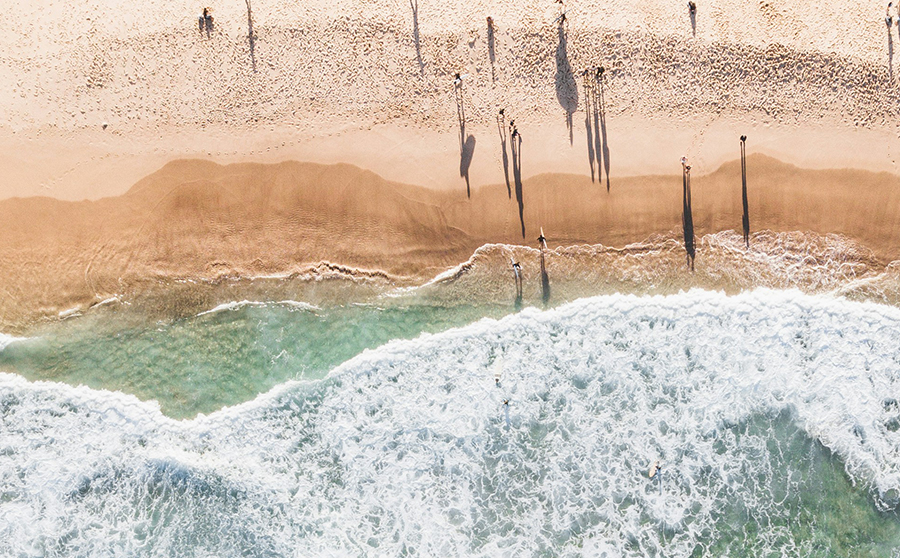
pixel 405 449
pixel 6 340
pixel 237 305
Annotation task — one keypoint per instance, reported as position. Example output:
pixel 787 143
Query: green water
pixel 795 496
pixel 202 363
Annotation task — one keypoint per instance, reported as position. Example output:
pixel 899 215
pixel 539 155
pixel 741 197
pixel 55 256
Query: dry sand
pixel 98 95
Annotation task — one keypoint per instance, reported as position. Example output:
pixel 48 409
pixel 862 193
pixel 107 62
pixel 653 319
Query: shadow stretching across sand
pixel 491 50
pixel 516 147
pixel 890 48
pixel 692 9
pixel 251 37
pixel 603 139
pixel 687 219
pixel 414 4
pixel 545 278
pixel 504 139
pixel 588 109
pixel 466 142
pixel 745 218
pixel 566 88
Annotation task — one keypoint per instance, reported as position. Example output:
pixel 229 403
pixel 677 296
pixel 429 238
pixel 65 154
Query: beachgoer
pixel 692 7
pixel 457 79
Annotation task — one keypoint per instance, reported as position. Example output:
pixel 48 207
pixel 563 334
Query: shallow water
pixel 222 356
pixel 774 414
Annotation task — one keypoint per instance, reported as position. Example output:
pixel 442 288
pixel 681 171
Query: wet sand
pixel 197 220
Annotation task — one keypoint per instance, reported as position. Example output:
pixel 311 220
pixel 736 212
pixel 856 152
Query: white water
pixel 6 340
pixel 237 305
pixel 409 448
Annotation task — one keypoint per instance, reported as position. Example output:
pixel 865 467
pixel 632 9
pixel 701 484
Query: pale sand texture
pixel 196 219
pixel 371 84
pixel 344 81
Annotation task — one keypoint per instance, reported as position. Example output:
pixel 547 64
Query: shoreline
pixel 196 220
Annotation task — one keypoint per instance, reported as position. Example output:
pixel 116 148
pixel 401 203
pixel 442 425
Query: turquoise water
pixel 774 415
pixel 202 363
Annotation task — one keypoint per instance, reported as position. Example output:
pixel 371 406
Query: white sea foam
pixel 6 340
pixel 237 305
pixel 410 447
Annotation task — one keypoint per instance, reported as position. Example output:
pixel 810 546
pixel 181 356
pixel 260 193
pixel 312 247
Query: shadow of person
pixel 467 151
pixel 745 218
pixel 206 22
pixel 889 24
pixel 687 219
pixel 517 271
pixel 595 108
pixel 414 4
pixel 588 108
pixel 601 102
pixel 516 147
pixel 501 129
pixel 251 36
pixel 490 41
pixel 566 88
pixel 466 142
pixel 692 9
pixel 545 278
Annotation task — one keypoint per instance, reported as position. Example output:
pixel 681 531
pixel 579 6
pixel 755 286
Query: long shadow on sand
pixel 491 51
pixel 687 219
pixel 600 116
pixel 504 139
pixel 251 37
pixel 588 109
pixel 566 88
pixel 516 146
pixel 414 4
pixel 466 142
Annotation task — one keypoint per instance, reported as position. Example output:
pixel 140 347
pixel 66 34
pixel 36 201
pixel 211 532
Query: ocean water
pixel 382 429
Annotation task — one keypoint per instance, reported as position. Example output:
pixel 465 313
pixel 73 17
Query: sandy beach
pixel 138 147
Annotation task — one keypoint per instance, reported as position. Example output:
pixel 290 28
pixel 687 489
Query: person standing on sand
pixel 692 8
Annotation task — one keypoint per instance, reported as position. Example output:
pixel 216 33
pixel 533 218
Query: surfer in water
pixel 655 469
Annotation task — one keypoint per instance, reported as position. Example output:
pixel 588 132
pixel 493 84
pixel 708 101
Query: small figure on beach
pixel 692 8
pixel 888 19
pixel 457 79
